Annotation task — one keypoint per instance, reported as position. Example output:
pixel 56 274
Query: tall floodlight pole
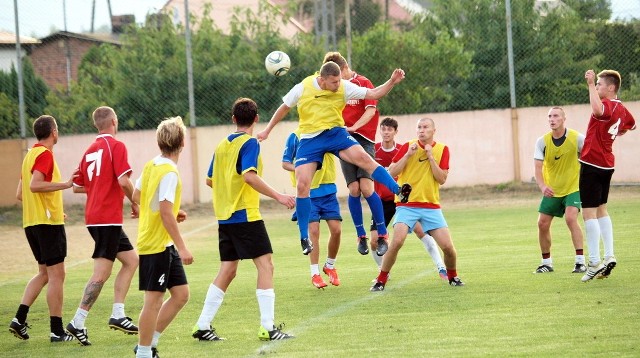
pixel 347 21
pixel 512 91
pixel 23 131
pixel 192 107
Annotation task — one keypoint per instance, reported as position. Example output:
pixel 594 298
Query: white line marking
pixel 270 346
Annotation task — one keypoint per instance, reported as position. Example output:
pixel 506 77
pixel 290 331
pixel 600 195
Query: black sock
pixel 21 315
pixel 56 325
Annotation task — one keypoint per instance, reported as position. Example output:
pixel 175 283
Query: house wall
pixel 481 145
pixel 50 60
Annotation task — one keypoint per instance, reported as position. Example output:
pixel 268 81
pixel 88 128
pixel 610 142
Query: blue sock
pixel 383 177
pixel 375 204
pixel 355 209
pixel 303 209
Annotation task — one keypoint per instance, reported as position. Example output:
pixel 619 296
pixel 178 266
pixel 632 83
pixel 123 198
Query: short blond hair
pixel 170 135
pixel 102 115
pixel 335 57
pixel 329 69
pixel 612 77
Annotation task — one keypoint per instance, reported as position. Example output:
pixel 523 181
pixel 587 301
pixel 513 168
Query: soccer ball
pixel 277 63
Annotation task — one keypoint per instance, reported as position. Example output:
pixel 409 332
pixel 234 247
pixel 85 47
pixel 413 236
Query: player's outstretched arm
pixel 376 93
pixel 279 114
pixel 253 179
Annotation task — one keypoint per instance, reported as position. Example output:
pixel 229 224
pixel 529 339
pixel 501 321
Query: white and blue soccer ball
pixel 277 63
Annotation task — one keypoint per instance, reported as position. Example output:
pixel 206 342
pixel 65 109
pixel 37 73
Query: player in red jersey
pixel 104 177
pixel 361 119
pixel 609 119
pixel 423 163
pixel 384 153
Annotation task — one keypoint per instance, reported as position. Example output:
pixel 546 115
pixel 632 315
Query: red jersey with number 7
pixel 601 132
pixel 104 162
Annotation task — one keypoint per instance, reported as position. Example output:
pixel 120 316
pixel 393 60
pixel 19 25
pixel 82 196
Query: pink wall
pixel 480 143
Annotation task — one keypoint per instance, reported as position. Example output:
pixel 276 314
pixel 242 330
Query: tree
pixel 552 48
pixel 35 92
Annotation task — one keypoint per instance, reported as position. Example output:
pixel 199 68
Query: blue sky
pixel 39 17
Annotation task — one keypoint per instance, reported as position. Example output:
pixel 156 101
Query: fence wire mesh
pixel 453 52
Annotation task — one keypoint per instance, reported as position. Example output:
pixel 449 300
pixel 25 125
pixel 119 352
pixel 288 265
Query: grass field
pixel 504 309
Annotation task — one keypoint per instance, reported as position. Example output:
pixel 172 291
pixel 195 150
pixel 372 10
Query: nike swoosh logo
pixel 320 95
pixel 558 157
pixel 422 160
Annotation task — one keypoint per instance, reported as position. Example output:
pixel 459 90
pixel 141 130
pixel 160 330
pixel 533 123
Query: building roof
pixel 9 38
pixel 96 37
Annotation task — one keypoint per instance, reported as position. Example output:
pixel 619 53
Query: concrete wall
pixel 481 144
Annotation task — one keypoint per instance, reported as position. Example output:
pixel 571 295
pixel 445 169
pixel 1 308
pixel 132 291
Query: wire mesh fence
pixel 453 52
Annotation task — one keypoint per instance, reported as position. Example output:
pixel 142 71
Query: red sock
pixel 383 276
pixel 451 273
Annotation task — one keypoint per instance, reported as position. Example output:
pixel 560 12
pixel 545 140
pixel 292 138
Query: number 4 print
pixel 95 162
pixel 613 130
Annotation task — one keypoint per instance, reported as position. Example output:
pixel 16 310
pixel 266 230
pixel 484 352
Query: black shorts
pixel 161 271
pixel 594 185
pixel 48 243
pixel 243 241
pixel 352 172
pixel 389 207
pixel 109 240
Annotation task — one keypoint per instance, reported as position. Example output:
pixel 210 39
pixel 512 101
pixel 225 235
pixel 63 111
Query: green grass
pixel 504 309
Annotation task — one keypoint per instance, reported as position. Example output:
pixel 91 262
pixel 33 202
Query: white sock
pixel 266 302
pixel 548 262
pixel 376 258
pixel 155 339
pixel 79 318
pixel 212 303
pixel 432 248
pixel 118 310
pixel 330 263
pixel 314 269
pixel 580 259
pixel 144 352
pixel 592 231
pixel 606 230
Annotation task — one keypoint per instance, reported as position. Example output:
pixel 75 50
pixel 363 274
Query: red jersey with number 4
pixel 102 164
pixel 601 132
pixel 384 157
pixel 355 109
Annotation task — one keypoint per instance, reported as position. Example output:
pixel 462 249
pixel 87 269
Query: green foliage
pixel 455 58
pixel 9 117
pixel 35 92
pixel 422 54
pixel 552 49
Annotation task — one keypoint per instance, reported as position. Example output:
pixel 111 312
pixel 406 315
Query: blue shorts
pixel 334 140
pixel 430 219
pixel 325 208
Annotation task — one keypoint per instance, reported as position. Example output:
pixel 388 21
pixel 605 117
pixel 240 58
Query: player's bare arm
pixel 280 113
pixel 439 174
pixel 376 93
pixel 253 179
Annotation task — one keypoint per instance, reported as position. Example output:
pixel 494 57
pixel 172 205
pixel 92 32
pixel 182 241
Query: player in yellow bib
pixel 160 245
pixel 557 173
pixel 424 164
pixel 320 99
pixel 40 191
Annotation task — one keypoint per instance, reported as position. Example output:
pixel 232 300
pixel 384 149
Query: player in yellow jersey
pixel 40 191
pixel 160 245
pixel 557 173
pixel 320 99
pixel 424 164
pixel 324 206
pixel 235 177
